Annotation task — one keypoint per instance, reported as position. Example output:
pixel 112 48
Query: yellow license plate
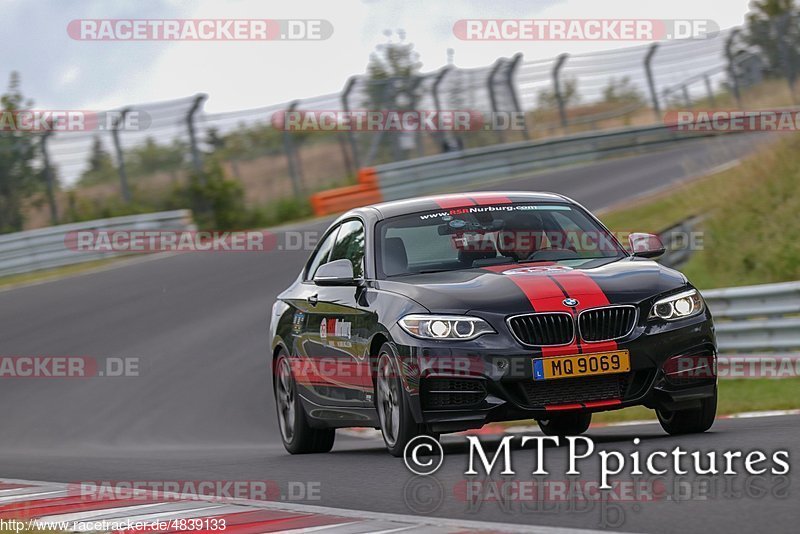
pixel 599 363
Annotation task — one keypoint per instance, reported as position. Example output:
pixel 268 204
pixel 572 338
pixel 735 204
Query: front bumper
pixel 458 386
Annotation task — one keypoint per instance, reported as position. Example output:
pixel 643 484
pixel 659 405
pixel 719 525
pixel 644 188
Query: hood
pixel 520 288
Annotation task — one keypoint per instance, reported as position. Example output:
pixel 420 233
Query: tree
pixel 19 177
pixel 773 26
pixel 569 95
pixel 621 91
pixel 396 60
pixel 151 157
pixel 101 166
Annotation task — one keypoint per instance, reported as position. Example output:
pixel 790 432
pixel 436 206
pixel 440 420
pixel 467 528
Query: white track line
pixel 362 521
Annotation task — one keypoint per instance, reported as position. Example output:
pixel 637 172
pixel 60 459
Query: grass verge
pixel 751 219
pixel 735 396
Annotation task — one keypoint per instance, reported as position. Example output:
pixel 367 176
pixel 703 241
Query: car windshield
pixel 483 236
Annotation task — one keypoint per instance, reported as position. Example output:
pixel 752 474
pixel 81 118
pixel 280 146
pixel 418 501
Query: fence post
pixel 781 26
pixel 437 102
pixel 512 70
pixel 651 83
pixel 710 91
pixel 413 100
pixel 686 98
pixel 48 174
pixel 292 160
pixel 731 67
pixel 493 96
pixel 348 87
pixel 123 176
pixel 562 111
pixel 197 161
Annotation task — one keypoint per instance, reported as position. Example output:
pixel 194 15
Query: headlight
pixel 678 306
pixel 456 327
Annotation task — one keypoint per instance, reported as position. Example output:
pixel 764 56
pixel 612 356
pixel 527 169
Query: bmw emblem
pixel 570 302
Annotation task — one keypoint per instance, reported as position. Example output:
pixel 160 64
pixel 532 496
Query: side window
pixel 350 245
pixel 320 256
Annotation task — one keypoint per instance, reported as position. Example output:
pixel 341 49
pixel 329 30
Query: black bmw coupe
pixel 444 313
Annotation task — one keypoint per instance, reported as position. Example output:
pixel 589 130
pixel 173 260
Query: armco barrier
pixel 453 171
pixel 459 170
pixel 45 248
pixel 757 319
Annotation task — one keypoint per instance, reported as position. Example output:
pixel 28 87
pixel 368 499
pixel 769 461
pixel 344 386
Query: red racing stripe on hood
pixel 546 291
pixel 544 294
pixel 581 287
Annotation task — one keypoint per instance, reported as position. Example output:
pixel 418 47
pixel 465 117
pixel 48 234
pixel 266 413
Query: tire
pixel 397 423
pixel 297 435
pixel 568 424
pixel 693 421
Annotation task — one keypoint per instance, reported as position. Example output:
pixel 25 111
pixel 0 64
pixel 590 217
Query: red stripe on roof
pixel 454 201
pixel 487 199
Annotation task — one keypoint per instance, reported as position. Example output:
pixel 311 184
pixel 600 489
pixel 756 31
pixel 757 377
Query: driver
pixel 522 235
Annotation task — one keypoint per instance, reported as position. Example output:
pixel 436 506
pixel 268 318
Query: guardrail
pixel 477 166
pixel 757 319
pixel 46 248
pixel 678 242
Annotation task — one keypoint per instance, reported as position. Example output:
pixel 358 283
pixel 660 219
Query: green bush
pixel 218 203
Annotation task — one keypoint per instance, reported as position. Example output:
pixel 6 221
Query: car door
pixel 335 338
pixel 303 299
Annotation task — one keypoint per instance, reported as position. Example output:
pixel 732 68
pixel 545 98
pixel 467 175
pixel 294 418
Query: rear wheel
pixel 297 435
pixel 692 421
pixel 397 422
pixel 566 424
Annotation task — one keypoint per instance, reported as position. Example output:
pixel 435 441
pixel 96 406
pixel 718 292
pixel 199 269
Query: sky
pixel 61 73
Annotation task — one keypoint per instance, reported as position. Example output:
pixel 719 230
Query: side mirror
pixel 335 273
pixel 646 245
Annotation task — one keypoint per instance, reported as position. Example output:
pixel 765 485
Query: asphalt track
pixel 201 407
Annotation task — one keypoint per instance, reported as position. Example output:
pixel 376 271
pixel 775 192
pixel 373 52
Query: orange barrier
pixel 352 196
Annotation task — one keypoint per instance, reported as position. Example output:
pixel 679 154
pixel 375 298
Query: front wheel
pixel 567 424
pixel 694 421
pixel 397 422
pixel 297 435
